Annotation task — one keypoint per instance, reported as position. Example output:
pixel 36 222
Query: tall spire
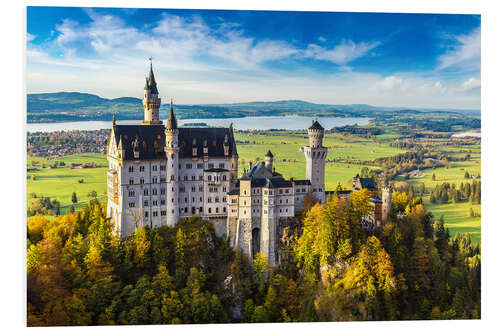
pixel 114 120
pixel 151 79
pixel 172 122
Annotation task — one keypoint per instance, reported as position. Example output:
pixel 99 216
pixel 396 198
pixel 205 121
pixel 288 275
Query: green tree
pixel 421 189
pixel 261 271
pixel 180 260
pixel 432 197
pixel 471 212
pixel 73 198
pixel 444 196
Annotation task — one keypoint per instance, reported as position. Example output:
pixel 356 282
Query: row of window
pixel 154 191
pixel 257 201
pixel 154 167
pixel 154 202
pixel 257 211
pixel 216 178
pixel 163 167
pixel 184 210
pixel 154 180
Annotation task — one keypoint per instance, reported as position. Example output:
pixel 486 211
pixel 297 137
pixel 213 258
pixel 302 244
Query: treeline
pixel 405 144
pixel 357 130
pixel 44 206
pixel 80 274
pixel 412 160
pixel 445 125
pixel 445 192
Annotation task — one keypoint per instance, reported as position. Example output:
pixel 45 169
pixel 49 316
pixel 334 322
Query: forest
pixel 79 273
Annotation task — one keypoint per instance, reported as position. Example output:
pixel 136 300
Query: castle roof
pixel 214 138
pixel 151 140
pixel 302 182
pixel 151 82
pixel 315 125
pixel 265 182
pixel 367 183
pixel 216 170
pixel 340 193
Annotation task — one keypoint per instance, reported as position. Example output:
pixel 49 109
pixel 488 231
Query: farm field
pixel 290 161
pixel 61 182
pixel 456 215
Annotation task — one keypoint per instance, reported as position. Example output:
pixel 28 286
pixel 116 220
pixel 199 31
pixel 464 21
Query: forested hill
pixel 76 106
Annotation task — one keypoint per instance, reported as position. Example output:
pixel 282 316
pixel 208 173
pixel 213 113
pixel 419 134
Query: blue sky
pixel 214 56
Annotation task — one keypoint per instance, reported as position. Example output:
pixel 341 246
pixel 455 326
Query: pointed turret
pixel 234 152
pixel 268 160
pixel 172 122
pixel 114 119
pixel 120 148
pixel 151 79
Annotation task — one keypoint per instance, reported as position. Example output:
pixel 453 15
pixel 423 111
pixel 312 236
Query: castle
pixel 160 173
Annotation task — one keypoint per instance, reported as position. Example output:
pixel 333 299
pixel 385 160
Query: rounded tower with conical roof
pixel 151 102
pixel 172 153
pixel 315 161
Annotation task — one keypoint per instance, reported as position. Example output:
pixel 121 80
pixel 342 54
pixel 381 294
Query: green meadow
pixel 290 161
pixel 61 182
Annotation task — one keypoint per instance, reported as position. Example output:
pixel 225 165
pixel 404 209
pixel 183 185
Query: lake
pixel 246 123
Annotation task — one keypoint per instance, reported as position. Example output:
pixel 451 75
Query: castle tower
pixel 386 201
pixel 268 160
pixel 151 102
pixel 172 151
pixel 315 161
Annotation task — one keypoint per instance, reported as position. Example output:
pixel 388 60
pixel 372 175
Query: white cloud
pixel 390 83
pixel 341 54
pixel 30 37
pixel 175 37
pixel 322 39
pixel 471 84
pixel 467 52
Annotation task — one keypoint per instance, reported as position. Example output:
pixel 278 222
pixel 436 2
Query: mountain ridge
pixel 78 106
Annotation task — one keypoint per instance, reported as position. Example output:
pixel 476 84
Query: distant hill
pixel 76 106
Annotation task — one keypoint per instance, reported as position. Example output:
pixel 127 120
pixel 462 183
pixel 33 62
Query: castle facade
pixel 160 173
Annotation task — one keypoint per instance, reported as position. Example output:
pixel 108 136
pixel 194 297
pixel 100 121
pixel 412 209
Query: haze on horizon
pixel 215 57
